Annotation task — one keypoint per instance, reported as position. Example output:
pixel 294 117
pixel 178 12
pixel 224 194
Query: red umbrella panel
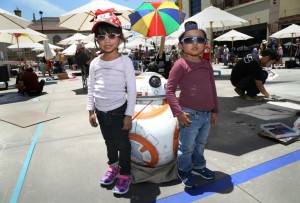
pixel 156 19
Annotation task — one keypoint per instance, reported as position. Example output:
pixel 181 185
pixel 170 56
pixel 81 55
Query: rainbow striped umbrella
pixel 156 19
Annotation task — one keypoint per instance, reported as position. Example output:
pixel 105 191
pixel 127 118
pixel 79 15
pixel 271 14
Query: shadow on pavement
pixel 80 91
pixel 12 97
pixel 237 133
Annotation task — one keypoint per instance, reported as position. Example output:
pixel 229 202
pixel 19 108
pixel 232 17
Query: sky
pixel 54 8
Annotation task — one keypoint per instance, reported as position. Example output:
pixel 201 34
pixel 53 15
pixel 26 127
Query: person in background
pixel 111 98
pixel 297 53
pixel 248 76
pixel 280 55
pixel 32 86
pixel 225 55
pixel 174 54
pixel 263 46
pixel 207 53
pixel 70 62
pixel 216 54
pixel 197 106
pixel 57 61
pixel 81 58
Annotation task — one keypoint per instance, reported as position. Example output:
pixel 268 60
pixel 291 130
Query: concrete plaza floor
pixel 69 156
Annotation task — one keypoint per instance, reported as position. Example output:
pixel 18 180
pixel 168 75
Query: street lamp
pixel 41 13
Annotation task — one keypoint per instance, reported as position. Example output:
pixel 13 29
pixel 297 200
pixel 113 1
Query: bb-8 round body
pixel 154 134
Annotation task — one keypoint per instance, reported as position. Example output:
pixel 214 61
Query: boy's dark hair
pixel 104 28
pixel 273 55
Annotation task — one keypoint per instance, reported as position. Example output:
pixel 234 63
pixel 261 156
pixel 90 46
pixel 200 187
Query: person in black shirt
pixel 249 77
pixel 81 57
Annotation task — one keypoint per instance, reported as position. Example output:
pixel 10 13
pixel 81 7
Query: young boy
pixel 197 106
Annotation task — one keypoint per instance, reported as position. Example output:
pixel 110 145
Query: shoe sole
pixel 199 174
pixel 121 193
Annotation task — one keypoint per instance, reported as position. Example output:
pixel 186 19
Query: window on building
pixel 195 7
pixel 56 39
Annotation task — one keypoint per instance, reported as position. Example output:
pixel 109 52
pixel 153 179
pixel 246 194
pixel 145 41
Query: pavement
pixel 61 160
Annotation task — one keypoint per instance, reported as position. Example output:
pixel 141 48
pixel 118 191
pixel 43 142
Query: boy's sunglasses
pixel 108 36
pixel 192 39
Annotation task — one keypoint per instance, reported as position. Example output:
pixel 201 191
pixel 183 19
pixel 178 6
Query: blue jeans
pixel 192 141
pixel 116 139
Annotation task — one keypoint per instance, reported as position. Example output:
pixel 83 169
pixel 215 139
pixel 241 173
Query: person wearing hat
pixel 248 76
pixel 263 46
pixel 216 54
pixel 225 55
pixel 111 98
pixel 81 58
pixel 197 106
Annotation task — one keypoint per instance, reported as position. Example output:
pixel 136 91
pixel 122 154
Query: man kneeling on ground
pixel 31 83
pixel 249 77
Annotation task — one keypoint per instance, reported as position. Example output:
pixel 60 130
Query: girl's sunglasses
pixel 108 36
pixel 192 39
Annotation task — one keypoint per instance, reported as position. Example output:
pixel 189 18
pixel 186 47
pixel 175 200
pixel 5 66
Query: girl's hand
pixel 127 123
pixel 92 119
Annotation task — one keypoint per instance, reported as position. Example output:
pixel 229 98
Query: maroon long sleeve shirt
pixel 197 87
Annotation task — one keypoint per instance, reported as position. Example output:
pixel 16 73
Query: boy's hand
pixel 214 118
pixel 183 119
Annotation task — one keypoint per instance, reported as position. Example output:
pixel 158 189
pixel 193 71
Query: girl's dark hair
pixel 104 28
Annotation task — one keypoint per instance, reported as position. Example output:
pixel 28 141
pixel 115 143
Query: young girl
pixel 111 98
pixel 197 106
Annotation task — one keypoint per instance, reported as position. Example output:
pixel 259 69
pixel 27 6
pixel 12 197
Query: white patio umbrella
pixel 11 21
pixel 90 45
pixel 70 51
pixel 43 54
pixel 74 39
pixel 47 50
pixel 25 45
pixel 135 42
pixel 232 36
pixel 79 19
pixel 214 17
pixel 40 47
pixel 288 32
pixel 17 36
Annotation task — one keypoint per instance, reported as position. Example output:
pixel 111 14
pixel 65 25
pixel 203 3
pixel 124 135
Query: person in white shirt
pixel 111 98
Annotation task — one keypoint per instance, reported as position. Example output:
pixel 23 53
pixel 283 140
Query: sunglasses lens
pixel 188 40
pixel 101 37
pixel 201 40
pixel 112 36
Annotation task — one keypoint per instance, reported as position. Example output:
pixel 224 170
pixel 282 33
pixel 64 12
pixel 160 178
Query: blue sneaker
pixel 187 179
pixel 204 173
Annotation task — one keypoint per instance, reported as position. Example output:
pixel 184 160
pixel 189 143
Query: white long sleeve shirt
pixel 110 84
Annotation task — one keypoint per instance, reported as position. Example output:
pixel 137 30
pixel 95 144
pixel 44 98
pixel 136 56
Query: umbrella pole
pixel 180 11
pixel 211 34
pixel 18 50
